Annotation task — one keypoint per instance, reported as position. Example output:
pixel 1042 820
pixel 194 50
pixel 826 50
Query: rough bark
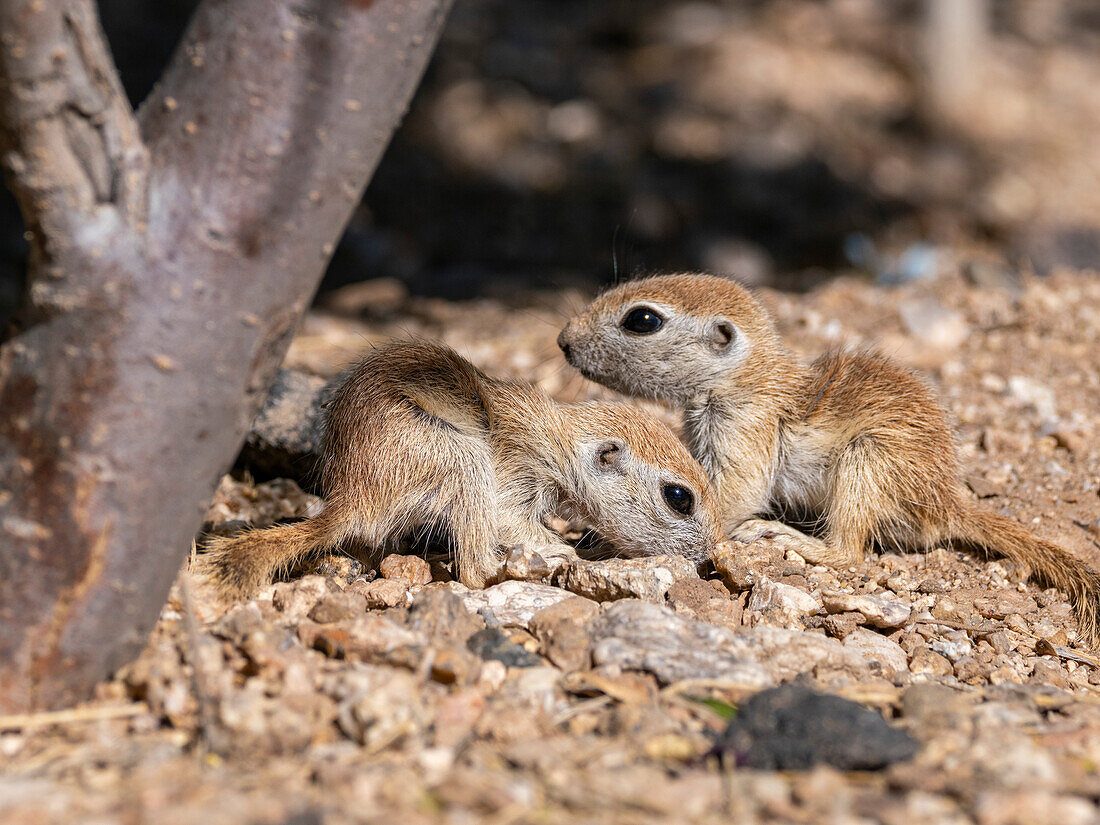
pixel 172 255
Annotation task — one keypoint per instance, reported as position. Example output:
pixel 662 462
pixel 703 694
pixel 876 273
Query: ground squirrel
pixel 853 444
pixel 417 437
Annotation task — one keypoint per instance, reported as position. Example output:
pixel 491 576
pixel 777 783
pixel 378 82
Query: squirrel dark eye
pixel 680 500
pixel 642 321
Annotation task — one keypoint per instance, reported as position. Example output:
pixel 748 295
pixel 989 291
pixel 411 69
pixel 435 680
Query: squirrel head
pixel 639 486
pixel 671 337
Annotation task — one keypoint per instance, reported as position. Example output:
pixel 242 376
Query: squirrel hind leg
pixel 857 504
pixel 457 500
pixel 470 521
pixel 857 509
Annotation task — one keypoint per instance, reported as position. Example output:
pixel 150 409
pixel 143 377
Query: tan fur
pixel 418 437
pixel 853 442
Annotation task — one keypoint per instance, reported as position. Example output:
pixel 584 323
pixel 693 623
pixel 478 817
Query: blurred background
pixel 555 142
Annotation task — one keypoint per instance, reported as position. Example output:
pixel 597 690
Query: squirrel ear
pixel 720 335
pixel 609 455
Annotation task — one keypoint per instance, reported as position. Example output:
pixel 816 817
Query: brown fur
pixel 418 437
pixel 854 441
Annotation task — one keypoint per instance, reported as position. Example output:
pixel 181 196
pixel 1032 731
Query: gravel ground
pixel 358 695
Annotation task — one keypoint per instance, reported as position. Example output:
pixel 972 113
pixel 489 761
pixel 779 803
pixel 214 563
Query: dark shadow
pixel 142 36
pixel 13 257
pixel 456 232
pixel 455 236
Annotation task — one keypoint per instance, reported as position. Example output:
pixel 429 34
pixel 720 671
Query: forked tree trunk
pixel 173 253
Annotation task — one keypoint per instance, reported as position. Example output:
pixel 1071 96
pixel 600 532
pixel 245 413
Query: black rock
pixel 492 643
pixel 793 728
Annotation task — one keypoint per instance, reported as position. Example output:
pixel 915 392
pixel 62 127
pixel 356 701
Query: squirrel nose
pixel 565 348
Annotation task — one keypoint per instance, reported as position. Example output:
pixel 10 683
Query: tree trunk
pixel 954 51
pixel 172 256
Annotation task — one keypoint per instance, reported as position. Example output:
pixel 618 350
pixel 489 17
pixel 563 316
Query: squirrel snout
pixel 563 343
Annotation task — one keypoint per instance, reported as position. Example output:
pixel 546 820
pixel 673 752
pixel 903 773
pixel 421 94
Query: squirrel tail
pixel 240 565
pixel 1049 563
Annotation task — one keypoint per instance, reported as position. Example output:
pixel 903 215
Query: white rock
pixel 492 674
pixel 641 636
pixel 881 612
pixel 771 595
pixel 1038 807
pixel 513 603
pixel 932 323
pixel 874 647
pixel 646 578
pixel 435 762
pixel 11 744
pixel 296 598
pixel 953 645
pixel 790 653
pixel 1032 392
pixel 539 686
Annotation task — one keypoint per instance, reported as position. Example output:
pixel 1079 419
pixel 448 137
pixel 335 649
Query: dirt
pixel 357 695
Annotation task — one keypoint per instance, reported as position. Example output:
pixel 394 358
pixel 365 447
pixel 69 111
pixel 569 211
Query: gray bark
pixel 173 253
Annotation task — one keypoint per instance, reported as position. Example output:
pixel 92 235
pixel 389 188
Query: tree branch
pixel 68 139
pixel 277 124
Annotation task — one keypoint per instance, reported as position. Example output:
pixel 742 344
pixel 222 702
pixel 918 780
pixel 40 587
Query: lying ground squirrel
pixel 853 443
pixel 418 437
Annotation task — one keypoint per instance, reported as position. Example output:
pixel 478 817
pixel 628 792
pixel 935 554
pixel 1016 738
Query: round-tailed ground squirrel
pixel 417 437
pixel 852 443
